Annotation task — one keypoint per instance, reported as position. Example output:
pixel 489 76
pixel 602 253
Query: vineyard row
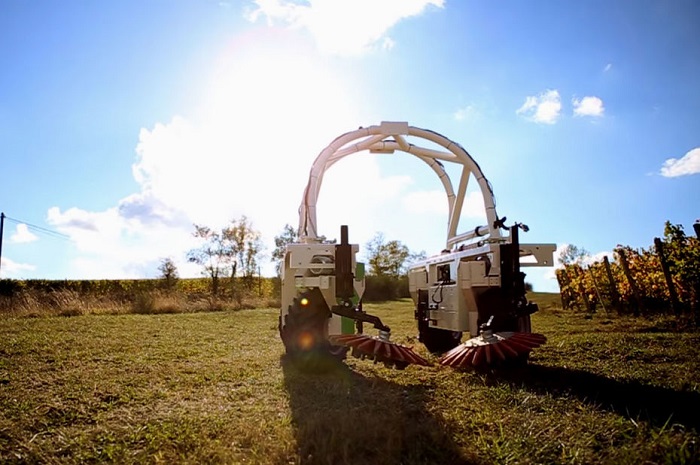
pixel 664 278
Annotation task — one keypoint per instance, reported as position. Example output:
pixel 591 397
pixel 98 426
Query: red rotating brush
pixel 489 349
pixel 380 349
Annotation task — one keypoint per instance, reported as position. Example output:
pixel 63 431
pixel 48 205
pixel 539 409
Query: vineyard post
pixel 595 286
pixel 675 307
pixel 563 287
pixel 633 285
pixel 614 295
pixel 696 302
pixel 582 290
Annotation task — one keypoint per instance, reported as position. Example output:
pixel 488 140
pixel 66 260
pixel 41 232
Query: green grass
pixel 214 388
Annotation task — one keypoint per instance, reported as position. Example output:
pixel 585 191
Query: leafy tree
pixel 415 256
pixel 389 258
pixel 247 246
pixel 572 254
pixel 168 273
pixel 215 255
pixel 289 235
pixel 235 247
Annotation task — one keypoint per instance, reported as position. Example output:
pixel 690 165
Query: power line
pixel 33 227
pixel 39 229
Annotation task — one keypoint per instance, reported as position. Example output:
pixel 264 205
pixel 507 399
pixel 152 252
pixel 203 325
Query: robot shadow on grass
pixel 631 399
pixel 342 417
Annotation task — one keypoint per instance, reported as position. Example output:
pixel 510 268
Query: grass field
pixel 214 388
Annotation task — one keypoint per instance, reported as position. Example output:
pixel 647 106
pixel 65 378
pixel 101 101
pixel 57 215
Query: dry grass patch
pixel 38 304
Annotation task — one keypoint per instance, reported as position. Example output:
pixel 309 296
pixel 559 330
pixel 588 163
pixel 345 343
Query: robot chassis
pixel 474 286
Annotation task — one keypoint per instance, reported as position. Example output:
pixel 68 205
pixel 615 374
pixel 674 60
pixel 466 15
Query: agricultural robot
pixel 473 289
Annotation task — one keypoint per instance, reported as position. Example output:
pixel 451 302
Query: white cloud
pixel 247 151
pixel 388 43
pixel 544 108
pixel 344 27
pixel 356 193
pixel 689 164
pixel 550 272
pixel 11 268
pixel 464 113
pixel 587 260
pixel 598 257
pixel 110 244
pixel 435 202
pixel 588 106
pixel 22 235
pixel 186 180
pixel 422 202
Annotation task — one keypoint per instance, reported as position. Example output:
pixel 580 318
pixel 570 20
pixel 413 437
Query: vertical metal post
pixel 344 288
pixel 2 227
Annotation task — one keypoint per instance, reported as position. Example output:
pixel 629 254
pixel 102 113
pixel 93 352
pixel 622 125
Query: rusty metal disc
pixel 490 349
pixel 379 349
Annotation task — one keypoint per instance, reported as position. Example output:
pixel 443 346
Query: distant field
pixel 212 388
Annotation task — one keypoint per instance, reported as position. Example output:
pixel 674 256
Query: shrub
pixel 382 288
pixel 144 303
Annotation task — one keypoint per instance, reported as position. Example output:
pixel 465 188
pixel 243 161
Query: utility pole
pixel 2 226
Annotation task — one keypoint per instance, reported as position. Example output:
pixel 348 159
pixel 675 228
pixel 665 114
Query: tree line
pixel 230 258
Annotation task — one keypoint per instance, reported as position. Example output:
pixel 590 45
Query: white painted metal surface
pixel 389 137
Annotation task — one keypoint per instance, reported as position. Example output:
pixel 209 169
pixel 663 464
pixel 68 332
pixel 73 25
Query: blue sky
pixel 123 123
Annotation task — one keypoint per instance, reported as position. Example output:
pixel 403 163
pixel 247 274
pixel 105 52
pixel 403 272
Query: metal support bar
pixel 359 315
pixel 343 267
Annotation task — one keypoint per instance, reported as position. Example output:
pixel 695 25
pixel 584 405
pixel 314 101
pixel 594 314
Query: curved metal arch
pixel 387 138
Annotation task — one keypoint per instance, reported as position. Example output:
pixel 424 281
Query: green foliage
pixel 683 256
pixel 236 247
pixel 383 288
pixel 214 255
pixel 247 246
pixel 388 258
pixel 101 287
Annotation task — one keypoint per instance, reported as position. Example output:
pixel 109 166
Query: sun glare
pixel 265 113
pixel 269 85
